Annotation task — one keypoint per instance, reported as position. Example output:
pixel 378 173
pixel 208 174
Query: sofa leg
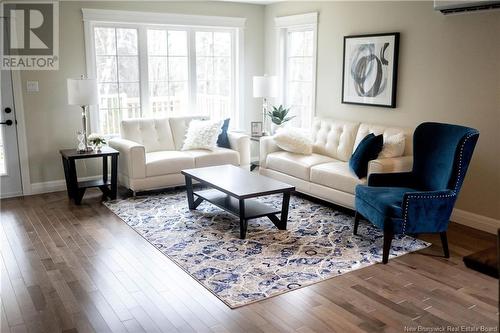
pixel 356 223
pixel 444 241
pixel 388 235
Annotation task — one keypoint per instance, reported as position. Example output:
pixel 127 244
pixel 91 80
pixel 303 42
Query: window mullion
pixel 142 40
pixel 192 84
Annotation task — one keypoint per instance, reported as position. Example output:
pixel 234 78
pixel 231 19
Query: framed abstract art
pixel 370 69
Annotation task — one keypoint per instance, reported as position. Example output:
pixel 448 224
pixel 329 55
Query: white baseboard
pixel 55 185
pixel 475 221
pixel 459 216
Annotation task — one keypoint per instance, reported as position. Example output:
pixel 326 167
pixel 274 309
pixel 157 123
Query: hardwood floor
pixel 81 269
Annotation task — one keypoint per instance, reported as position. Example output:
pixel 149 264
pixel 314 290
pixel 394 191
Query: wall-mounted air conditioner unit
pixel 454 7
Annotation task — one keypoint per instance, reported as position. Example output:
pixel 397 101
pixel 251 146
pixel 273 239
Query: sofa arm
pixel 267 146
pixel 241 143
pixel 132 161
pixel 393 164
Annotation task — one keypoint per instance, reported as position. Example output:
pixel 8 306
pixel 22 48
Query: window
pixel 168 72
pixel 151 70
pixel 117 68
pixel 214 73
pixel 298 66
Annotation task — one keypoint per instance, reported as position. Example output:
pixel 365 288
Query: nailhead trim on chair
pixel 460 159
pixel 405 218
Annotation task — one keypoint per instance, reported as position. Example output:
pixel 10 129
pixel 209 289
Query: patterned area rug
pixel 205 243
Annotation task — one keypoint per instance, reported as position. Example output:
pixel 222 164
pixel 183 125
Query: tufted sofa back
pixel 365 129
pixel 157 134
pixel 334 138
pixel 154 133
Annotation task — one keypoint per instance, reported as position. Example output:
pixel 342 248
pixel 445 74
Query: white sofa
pixel 325 174
pixel 151 157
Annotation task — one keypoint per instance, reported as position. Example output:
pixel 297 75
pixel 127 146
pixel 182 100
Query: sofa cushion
pixel 296 165
pixel 167 162
pixel 219 156
pixel 367 150
pixel 153 133
pixel 336 175
pixel 179 126
pixel 334 138
pixel 223 139
pixel 384 200
pixel 365 129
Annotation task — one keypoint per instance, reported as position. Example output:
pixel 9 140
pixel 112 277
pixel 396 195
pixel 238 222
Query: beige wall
pixel 449 71
pixel 51 124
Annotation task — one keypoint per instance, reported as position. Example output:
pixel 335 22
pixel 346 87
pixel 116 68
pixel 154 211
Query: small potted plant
pixel 279 116
pixel 97 141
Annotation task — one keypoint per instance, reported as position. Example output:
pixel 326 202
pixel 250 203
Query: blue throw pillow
pixel 367 150
pixel 223 140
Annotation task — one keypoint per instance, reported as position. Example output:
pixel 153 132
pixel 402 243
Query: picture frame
pixel 370 69
pixel 256 128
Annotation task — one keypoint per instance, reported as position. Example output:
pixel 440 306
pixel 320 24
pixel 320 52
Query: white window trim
pixel 140 20
pixel 299 22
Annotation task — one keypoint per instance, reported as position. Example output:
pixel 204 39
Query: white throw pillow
pixel 294 140
pixel 202 134
pixel 394 146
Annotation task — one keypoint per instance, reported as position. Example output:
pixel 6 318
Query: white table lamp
pixel 83 92
pixel 265 87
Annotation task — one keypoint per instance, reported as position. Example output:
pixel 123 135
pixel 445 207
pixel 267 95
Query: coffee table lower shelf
pixel 253 208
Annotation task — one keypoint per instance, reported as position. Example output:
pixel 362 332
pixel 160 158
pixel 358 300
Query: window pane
pixel 105 43
pixel 179 97
pixel 159 98
pixel 223 88
pixel 222 44
pixel 108 96
pixel 203 43
pixel 204 68
pixel 222 68
pixel 157 42
pixel 128 69
pixel 110 121
pixel 129 95
pixel 177 68
pixel 177 43
pixel 158 69
pixel 126 41
pixel 300 69
pixel 296 44
pixel 308 43
pixel 106 69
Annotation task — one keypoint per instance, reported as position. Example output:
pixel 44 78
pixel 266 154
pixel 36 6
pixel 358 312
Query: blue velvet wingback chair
pixel 419 201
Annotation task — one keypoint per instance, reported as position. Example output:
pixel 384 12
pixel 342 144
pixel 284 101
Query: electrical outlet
pixel 32 86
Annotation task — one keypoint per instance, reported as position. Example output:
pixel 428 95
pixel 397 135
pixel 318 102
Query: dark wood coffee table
pixel 232 189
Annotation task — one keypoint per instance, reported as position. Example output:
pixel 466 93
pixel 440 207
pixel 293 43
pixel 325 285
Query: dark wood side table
pixel 76 189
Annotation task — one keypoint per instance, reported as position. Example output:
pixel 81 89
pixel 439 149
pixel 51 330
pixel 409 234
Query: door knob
pixel 7 122
pixel 8 110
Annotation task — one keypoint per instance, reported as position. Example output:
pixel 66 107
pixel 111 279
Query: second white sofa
pixel 151 157
pixel 325 174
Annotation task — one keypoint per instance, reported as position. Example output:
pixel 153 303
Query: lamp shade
pixel 265 86
pixel 82 92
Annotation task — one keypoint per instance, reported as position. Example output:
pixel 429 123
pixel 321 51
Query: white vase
pixel 276 127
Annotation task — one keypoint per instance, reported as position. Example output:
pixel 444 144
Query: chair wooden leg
pixel 388 235
pixel 444 241
pixel 356 223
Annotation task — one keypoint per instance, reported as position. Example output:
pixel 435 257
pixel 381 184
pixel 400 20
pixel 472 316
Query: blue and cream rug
pixel 318 244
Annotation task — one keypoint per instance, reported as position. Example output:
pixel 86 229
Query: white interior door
pixel 10 171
